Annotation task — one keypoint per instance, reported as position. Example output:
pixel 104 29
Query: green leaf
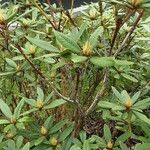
pixel 10 145
pixel 7 73
pixel 25 119
pixel 123 63
pixel 144 146
pixel 118 95
pixel 58 65
pixel 5 109
pixel 81 30
pixel 40 94
pixel 18 109
pixel 49 122
pixel 67 42
pixel 78 59
pixel 19 142
pixel 136 96
pixel 26 146
pixel 86 145
pixel 123 146
pixel 83 136
pixel 105 104
pixel 107 133
pixel 57 126
pixel 142 117
pixel 66 132
pixel 129 77
pixel 4 121
pixel 31 102
pixel 11 63
pixel 55 104
pixel 123 138
pixel 142 104
pixel 103 61
pixel 125 95
pixel 39 140
pixel 94 36
pixel 43 44
pixel 29 111
pixel 75 147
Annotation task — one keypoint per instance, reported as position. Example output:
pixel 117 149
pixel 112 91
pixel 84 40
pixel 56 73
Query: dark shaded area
pixel 66 3
pixel 77 3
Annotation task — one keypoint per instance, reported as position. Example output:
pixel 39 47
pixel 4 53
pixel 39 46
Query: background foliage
pixel 70 82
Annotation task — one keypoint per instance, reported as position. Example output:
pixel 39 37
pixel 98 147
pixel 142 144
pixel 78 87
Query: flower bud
pixel 136 3
pixel 2 16
pixel 9 135
pixel 32 49
pixel 13 120
pixel 109 145
pixel 87 49
pixel 128 103
pixel 53 141
pixel 43 130
pixel 39 104
pixel 92 14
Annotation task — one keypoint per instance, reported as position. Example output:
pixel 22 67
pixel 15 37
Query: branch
pixel 130 33
pixel 37 71
pixel 98 95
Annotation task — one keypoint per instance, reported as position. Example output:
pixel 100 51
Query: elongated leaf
pixel 67 42
pixel 107 133
pixel 7 73
pixel 57 126
pixel 5 109
pixel 66 133
pixel 105 104
pixel 123 138
pixel 19 141
pixel 86 145
pixel 43 44
pixel 118 95
pixel 144 146
pixel 81 30
pixel 123 146
pixel 75 147
pixel 94 36
pixel 29 111
pixel 78 59
pixel 39 140
pixel 40 94
pixel 129 77
pixel 11 63
pixel 4 121
pixel 142 104
pixel 49 122
pixel 142 117
pixel 18 109
pixel 136 96
pixel 26 146
pixel 103 61
pixel 123 63
pixel 125 95
pixel 55 104
pixel 83 136
pixel 31 102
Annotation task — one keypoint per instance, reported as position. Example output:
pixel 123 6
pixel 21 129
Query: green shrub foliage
pixel 75 81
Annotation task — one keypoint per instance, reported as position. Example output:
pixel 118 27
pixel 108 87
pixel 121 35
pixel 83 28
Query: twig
pixel 44 14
